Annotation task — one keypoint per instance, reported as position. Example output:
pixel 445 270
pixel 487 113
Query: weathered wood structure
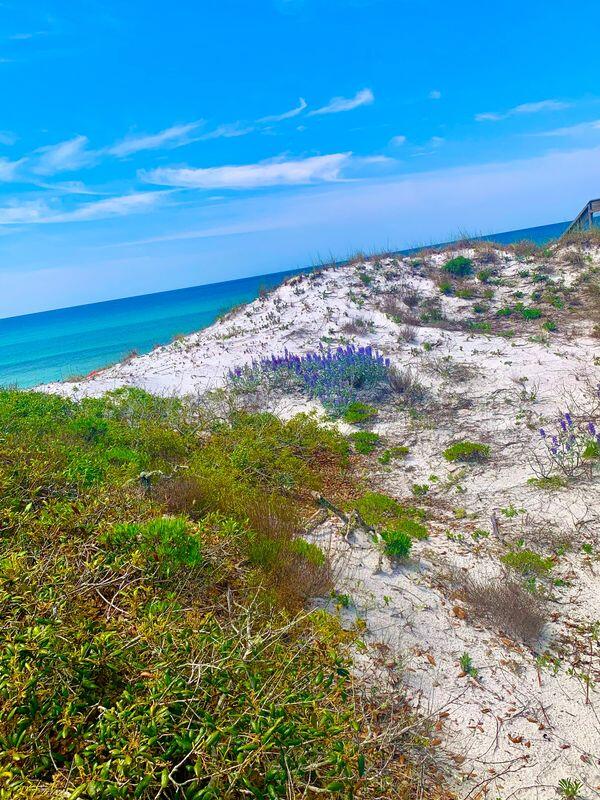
pixel 589 216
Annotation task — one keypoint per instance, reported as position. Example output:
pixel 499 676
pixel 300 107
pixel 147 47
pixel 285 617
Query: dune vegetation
pixel 157 639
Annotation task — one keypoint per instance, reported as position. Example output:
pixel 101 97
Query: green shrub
pixel 528 313
pixel 550 326
pixel 357 412
pixel 447 288
pixel 398 544
pixel 460 266
pixel 385 513
pixel 309 551
pixel 467 452
pixel 412 528
pixel 465 294
pixel 505 311
pixel 399 451
pixel 549 483
pixel 365 441
pixel 164 543
pixel 147 655
pixel 484 275
pixel 527 562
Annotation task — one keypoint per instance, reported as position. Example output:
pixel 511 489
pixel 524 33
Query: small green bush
pixel 484 275
pixel 460 267
pixel 399 451
pixel 357 412
pixel 398 544
pixel 527 562
pixel 505 311
pixel 365 441
pixel 528 313
pixel 465 294
pixel 467 452
pixel 447 288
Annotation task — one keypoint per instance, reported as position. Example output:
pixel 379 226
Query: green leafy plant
pixel 365 442
pixel 528 563
pixel 398 543
pixel 466 664
pixel 399 451
pixel 358 412
pixel 467 452
pixel 460 266
pixel 569 788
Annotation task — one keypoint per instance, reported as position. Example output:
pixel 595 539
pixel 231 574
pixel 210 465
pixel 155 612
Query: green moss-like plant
pixel 459 267
pixel 398 544
pixel 365 441
pixel 467 452
pixel 400 451
pixel 528 563
pixel 357 412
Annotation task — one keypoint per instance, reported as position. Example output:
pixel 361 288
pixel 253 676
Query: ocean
pixel 55 345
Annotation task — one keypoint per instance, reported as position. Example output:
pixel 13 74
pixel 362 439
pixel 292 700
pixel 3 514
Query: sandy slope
pixel 522 724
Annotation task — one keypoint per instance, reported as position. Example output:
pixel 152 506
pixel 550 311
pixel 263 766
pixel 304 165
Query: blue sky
pixel 149 146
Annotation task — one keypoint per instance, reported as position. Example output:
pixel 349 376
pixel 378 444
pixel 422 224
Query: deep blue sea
pixel 53 345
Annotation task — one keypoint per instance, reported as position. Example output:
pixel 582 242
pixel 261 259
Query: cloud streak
pixel 39 212
pixel 294 112
pixel 65 156
pixel 336 105
pixel 276 172
pixel 522 110
pixel 175 136
pixel 573 130
pixel 9 170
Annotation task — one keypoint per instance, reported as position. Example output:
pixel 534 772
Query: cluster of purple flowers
pixel 335 377
pixel 571 441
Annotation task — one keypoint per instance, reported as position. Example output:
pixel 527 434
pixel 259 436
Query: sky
pixel 152 146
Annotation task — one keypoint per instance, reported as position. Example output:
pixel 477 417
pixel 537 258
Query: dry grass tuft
pixel 357 326
pixel 406 385
pixel 507 605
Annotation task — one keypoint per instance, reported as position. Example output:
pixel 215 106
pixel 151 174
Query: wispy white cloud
pixel 113 207
pixel 294 112
pixel 175 136
pixel 523 109
pixel 39 211
pixel 397 141
pixel 227 131
pixel 65 156
pixel 71 187
pixel 9 170
pixel 364 97
pixel 573 130
pixel 434 94
pixel 276 172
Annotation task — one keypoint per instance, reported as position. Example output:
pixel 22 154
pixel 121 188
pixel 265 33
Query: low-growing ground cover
pixel 155 640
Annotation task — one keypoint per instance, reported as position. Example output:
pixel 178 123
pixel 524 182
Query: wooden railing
pixel 585 219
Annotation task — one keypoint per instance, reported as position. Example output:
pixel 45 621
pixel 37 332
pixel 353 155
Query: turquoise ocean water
pixel 54 345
